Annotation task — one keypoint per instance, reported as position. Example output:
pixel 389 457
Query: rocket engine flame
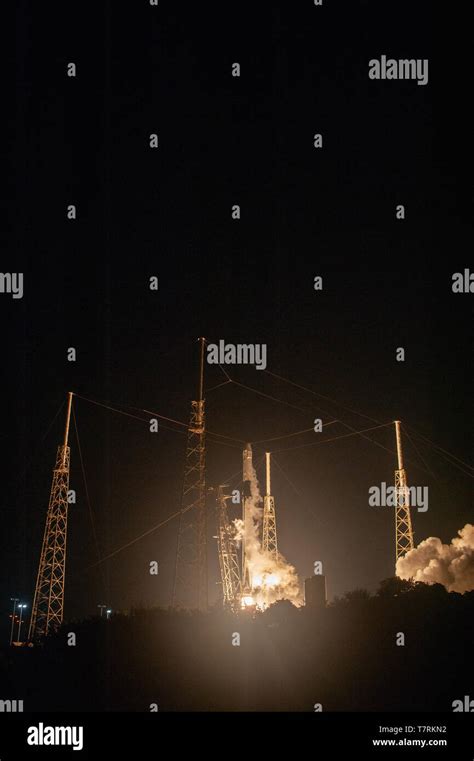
pixel 271 578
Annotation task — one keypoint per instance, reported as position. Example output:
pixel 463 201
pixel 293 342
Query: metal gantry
pixel 269 535
pixel 48 603
pixel 190 588
pixel 403 526
pixel 228 557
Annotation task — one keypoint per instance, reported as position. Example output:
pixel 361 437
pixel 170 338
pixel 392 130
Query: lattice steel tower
pixel 190 588
pixel 48 604
pixel 228 558
pixel 403 527
pixel 269 538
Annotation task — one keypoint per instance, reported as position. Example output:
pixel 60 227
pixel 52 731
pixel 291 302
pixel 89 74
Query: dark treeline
pixel 344 657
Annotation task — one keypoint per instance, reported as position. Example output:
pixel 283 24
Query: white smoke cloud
pixel 433 562
pixel 272 578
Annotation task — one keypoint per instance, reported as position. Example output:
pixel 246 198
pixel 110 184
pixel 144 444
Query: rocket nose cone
pixel 248 446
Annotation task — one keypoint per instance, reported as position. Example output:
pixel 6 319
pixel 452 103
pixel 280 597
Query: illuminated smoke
pixel 433 562
pixel 272 578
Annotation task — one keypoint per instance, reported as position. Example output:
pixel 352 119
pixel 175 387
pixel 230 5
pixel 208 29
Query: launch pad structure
pixel 228 555
pixel 269 539
pixel 48 602
pixel 236 577
pixel 403 527
pixel 190 587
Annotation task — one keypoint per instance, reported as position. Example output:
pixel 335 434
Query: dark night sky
pixel 305 212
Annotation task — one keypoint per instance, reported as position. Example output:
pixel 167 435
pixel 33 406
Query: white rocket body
pixel 247 469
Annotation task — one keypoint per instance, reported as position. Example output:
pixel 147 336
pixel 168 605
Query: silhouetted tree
pixel 279 612
pixel 345 654
pixel 394 587
pixel 355 596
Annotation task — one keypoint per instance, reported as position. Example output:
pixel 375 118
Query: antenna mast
pixel 269 539
pixel 48 604
pixel 403 527
pixel 190 588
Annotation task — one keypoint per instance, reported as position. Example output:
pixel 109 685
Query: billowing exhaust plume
pixel 271 578
pixel 436 563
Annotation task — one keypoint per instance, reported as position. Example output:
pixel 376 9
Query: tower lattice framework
pixel 269 532
pixel 228 558
pixel 190 589
pixel 48 603
pixel 269 536
pixel 403 526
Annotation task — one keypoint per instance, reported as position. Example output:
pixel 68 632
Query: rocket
pixel 247 469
